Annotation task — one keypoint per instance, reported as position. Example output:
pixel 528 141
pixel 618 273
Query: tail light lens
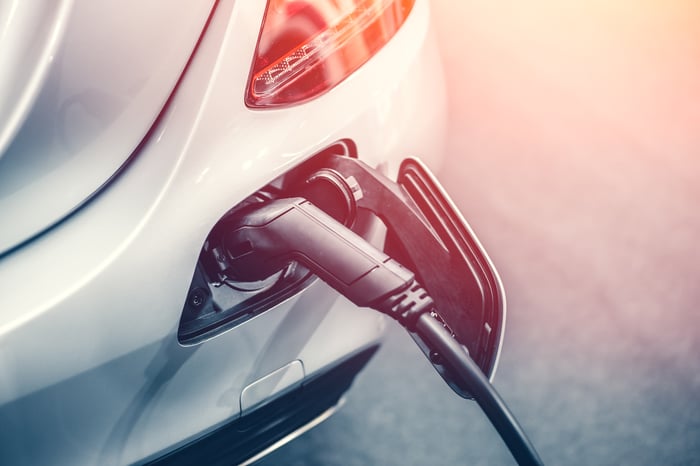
pixel 307 47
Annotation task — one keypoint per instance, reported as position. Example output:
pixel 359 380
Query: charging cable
pixel 267 237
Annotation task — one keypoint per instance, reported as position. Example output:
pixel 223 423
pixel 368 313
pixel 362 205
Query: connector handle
pixel 270 236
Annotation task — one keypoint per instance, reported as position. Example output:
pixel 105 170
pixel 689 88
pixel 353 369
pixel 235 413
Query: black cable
pixel 484 393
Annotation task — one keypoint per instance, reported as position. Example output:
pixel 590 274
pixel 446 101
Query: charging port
pixel 219 297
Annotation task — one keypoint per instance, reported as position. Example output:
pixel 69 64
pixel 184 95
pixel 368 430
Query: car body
pixel 125 139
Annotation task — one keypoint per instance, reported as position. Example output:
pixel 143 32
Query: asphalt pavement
pixel 574 152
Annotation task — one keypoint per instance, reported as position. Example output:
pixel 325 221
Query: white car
pixel 128 131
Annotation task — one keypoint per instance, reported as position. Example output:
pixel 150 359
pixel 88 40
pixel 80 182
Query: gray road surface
pixel 574 151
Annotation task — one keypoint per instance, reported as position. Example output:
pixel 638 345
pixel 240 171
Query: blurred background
pixel 574 152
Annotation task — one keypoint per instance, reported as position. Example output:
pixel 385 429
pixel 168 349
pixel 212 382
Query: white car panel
pixel 106 80
pixel 90 366
pixel 30 33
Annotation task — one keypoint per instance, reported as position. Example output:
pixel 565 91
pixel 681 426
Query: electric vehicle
pixel 130 132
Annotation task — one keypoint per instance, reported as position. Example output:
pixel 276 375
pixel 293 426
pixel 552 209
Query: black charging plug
pixel 266 238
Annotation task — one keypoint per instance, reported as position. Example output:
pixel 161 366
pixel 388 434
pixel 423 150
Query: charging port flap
pixel 468 293
pixel 427 234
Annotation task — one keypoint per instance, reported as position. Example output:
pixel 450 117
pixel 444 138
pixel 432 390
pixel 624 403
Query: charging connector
pixel 268 237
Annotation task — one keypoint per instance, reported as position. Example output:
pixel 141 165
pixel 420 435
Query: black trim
pixel 246 436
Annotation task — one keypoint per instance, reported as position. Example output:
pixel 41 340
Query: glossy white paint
pixel 74 106
pixel 30 34
pixel 90 367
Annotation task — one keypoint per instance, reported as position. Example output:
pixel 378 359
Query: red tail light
pixel 307 47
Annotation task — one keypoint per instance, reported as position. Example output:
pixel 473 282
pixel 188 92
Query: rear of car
pixel 128 132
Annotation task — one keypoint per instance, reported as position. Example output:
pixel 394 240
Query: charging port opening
pixel 218 299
